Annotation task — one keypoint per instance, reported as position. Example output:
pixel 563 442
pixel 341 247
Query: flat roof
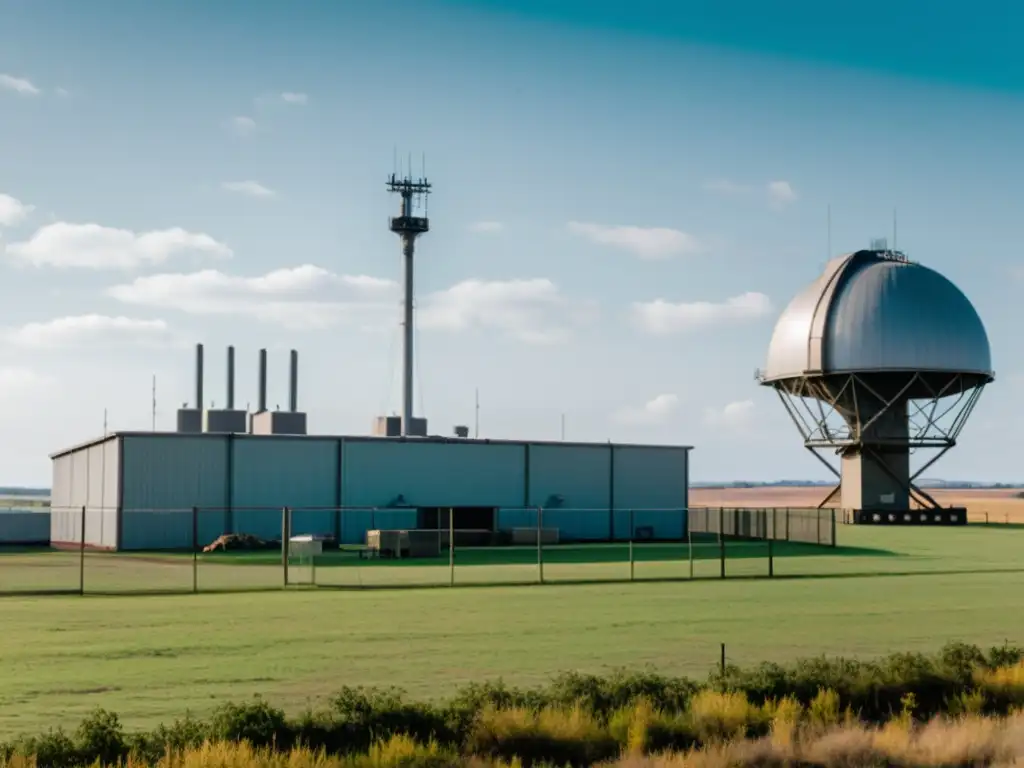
pixel 354 438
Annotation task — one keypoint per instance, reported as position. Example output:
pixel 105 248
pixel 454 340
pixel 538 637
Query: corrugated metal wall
pixel 653 479
pixel 426 474
pixel 164 477
pixel 578 479
pixel 86 478
pixel 24 528
pixel 284 472
pixel 65 523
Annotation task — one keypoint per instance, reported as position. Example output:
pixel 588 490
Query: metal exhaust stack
pixel 293 383
pixel 199 377
pixel 231 379
pixel 263 381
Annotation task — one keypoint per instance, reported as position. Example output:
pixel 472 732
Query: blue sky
pixel 607 180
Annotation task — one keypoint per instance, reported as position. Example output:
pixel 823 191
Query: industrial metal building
pixel 138 488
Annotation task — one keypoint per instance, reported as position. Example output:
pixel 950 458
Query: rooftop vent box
pixel 391 426
pixel 224 420
pixel 190 420
pixel 279 423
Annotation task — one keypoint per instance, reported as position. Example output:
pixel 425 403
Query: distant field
pixel 151 658
pixel 1001 505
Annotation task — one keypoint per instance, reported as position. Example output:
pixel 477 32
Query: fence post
pixel 540 546
pixel 833 527
pixel 721 540
pixel 722 660
pixel 195 550
pixel 81 557
pixel 451 547
pixel 689 544
pixel 285 541
pixel 632 529
pixel 771 560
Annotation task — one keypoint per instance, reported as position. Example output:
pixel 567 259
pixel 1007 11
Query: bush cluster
pixel 577 719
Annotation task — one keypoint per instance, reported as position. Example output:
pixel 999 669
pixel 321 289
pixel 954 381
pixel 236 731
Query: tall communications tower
pixel 408 226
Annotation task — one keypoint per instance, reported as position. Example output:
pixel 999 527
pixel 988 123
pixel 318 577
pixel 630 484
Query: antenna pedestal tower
pixel 408 226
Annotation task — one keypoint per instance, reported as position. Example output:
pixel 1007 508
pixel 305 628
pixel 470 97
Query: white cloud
pixel 662 317
pixel 242 125
pixel 778 193
pixel 781 193
pixel 486 226
pixel 727 187
pixel 655 411
pixel 92 246
pixel 531 310
pixel 304 297
pixel 89 329
pixel 294 98
pixel 644 242
pixel 62 92
pixel 18 85
pixel 735 415
pixel 13 211
pixel 250 188
pixel 310 297
pixel 17 382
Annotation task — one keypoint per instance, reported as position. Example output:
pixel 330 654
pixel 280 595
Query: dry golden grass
pixel 968 741
pixel 1000 505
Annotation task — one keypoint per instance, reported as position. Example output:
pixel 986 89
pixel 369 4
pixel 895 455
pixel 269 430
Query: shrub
pixel 101 738
pixel 718 716
pixel 255 722
pixel 563 737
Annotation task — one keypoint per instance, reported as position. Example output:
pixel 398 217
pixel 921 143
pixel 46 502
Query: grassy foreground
pixel 958 707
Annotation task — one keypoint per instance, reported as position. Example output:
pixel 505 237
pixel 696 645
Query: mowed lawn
pixel 151 658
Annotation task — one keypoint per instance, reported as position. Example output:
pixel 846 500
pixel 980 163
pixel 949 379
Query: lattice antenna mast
pixel 407 225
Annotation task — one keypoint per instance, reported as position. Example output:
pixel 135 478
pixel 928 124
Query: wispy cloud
pixel 92 246
pixel 781 193
pixel 249 188
pixel 13 211
pixel 79 330
pixel 735 415
pixel 18 85
pixel 486 226
pixel 644 242
pixel 291 97
pixel 242 125
pixel 655 411
pixel 662 317
pixel 303 297
pixel 529 310
pixel 778 194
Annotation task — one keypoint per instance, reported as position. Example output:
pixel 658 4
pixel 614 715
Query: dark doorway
pixel 466 518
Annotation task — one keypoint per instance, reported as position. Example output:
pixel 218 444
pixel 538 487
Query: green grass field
pixel 152 657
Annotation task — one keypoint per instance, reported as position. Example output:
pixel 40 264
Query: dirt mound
pixel 236 541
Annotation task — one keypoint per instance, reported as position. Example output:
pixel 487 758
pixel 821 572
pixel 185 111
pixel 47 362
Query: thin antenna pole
pixel 476 425
pixel 104 422
pixel 894 230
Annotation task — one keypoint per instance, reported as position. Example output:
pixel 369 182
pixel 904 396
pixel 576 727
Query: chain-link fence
pixel 206 549
pixel 806 525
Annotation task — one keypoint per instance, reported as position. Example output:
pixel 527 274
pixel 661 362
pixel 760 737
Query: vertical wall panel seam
pixel 339 498
pixel 611 492
pixel 120 492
